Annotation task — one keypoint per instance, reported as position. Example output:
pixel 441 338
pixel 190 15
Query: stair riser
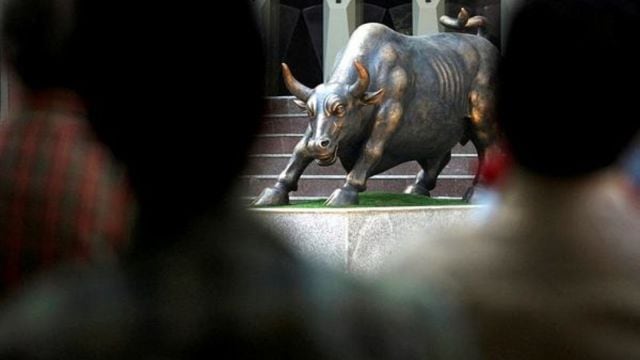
pixel 272 166
pixel 324 188
pixel 284 125
pixel 280 105
pixel 284 117
pixel 285 145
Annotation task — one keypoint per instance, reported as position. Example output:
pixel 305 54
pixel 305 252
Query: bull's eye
pixel 339 110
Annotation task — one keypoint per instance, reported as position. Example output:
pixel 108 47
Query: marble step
pixel 284 144
pixel 280 105
pixel 262 164
pixel 282 127
pixel 310 186
pixel 284 124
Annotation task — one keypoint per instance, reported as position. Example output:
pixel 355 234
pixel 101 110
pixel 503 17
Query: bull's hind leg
pixel 482 129
pixel 427 177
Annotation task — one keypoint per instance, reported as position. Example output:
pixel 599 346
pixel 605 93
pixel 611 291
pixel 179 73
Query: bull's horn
pixel 295 87
pixel 362 84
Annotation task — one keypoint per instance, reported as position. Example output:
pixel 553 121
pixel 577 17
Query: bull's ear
pixel 301 104
pixel 373 98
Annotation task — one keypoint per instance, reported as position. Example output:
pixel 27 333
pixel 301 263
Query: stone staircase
pixel 282 127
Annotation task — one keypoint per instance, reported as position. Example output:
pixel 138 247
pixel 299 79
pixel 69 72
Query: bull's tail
pixel 464 21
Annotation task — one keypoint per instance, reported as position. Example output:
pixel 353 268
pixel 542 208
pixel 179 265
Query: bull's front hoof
pixel 271 197
pixel 342 197
pixel 417 190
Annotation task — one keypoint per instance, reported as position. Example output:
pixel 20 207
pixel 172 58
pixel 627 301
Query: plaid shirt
pixel 61 196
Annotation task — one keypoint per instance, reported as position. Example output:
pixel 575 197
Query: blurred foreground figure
pixel 555 274
pixel 203 280
pixel 62 196
pixel 632 164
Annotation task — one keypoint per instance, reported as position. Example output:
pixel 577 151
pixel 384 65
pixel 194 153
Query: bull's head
pixel 334 110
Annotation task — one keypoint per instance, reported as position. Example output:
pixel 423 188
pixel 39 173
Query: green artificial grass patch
pixel 381 199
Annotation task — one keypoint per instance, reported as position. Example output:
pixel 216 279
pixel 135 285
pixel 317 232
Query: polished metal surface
pixel 393 98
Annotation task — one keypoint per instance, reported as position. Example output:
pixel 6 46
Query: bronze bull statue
pixel 391 99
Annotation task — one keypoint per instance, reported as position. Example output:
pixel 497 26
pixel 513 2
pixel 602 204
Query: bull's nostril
pixel 325 143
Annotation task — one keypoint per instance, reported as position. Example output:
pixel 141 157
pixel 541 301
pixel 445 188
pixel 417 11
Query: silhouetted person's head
pixel 44 43
pixel 568 103
pixel 179 100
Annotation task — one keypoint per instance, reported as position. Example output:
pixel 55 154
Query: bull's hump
pixel 365 41
pixel 369 34
pixel 370 30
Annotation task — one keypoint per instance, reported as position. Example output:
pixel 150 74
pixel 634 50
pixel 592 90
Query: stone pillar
pixel 425 16
pixel 340 19
pixel 507 11
pixel 267 16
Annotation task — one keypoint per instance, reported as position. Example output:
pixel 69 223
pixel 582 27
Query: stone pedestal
pixel 362 240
